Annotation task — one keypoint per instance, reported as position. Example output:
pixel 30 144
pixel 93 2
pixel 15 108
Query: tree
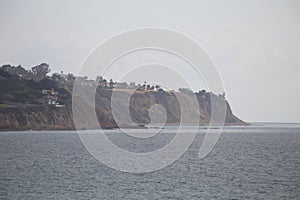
pixel 17 71
pixel 99 79
pixel 104 83
pixel 111 83
pixel 56 77
pixel 70 77
pixel 40 71
pixel 222 95
pixel 203 91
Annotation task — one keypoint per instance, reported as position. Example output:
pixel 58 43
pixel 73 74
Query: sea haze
pixel 248 162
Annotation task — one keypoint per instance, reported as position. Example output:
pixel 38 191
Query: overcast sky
pixel 255 44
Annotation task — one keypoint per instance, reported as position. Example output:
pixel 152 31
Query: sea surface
pixel 261 161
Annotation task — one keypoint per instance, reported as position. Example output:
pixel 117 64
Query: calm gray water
pixel 255 162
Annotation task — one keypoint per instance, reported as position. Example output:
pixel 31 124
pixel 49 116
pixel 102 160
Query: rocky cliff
pixel 37 117
pixel 21 108
pixel 41 117
pixel 173 104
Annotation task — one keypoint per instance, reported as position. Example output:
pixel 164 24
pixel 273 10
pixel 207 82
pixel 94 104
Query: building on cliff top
pixel 49 97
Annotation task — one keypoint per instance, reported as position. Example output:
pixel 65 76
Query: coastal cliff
pixel 46 103
pixel 35 118
pixel 141 102
pixel 39 117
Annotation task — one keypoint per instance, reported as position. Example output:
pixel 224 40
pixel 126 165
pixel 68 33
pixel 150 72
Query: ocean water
pixel 261 161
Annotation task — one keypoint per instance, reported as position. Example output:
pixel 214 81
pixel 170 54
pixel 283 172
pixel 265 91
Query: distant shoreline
pixel 205 126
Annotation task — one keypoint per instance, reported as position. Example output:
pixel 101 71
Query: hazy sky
pixel 255 44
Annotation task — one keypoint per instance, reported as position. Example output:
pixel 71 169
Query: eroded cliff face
pixel 140 102
pixel 35 117
pixel 131 108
